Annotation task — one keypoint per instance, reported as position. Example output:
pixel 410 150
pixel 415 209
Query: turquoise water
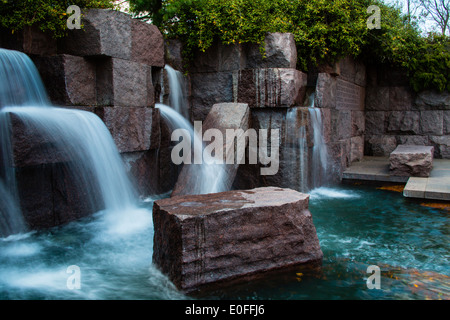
pixel 357 226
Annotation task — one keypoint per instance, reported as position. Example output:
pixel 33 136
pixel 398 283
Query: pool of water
pixel 357 226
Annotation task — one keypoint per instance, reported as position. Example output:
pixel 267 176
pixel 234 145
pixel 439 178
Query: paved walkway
pixel 436 186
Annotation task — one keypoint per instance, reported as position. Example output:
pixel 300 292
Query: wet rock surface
pixel 223 117
pixel 206 239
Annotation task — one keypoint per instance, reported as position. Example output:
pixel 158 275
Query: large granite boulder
pixel 411 160
pixel 115 34
pixel 147 45
pixel 279 52
pixel 105 32
pixel 205 239
pixel 124 83
pixel 132 128
pixel 271 87
pixel 69 80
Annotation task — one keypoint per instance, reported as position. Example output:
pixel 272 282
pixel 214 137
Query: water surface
pixel 357 226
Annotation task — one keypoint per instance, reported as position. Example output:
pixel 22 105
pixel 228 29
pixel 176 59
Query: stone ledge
pixel 205 239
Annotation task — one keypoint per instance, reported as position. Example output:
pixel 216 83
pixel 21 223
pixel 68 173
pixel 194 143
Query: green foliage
pixel 430 67
pixel 49 15
pixel 399 44
pixel 324 30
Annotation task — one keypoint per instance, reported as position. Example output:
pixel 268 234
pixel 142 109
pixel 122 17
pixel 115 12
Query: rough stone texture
pixel 280 52
pixel 59 200
pixel 173 54
pixel 124 83
pixel 147 45
pixel 332 69
pixel 69 80
pixel 432 122
pixel 393 109
pixel 72 80
pixel 446 122
pixel 340 155
pixel 441 145
pixel 400 98
pixel 209 89
pixel 380 145
pixel 358 123
pixel 325 94
pixel 375 122
pixel 352 71
pixel 30 40
pixel 377 99
pixel 431 99
pixel 206 239
pixel 357 148
pixel 341 124
pixel 414 140
pixel 273 87
pixel 410 160
pixel 349 96
pixel 326 123
pixel 222 116
pixel 133 129
pixel 105 32
pixel 219 58
pixel 406 122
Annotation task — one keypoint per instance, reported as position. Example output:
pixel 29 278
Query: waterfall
pixel 79 140
pixel 310 161
pixel 296 151
pixel 205 177
pixel 319 162
pixel 178 91
pixel 20 83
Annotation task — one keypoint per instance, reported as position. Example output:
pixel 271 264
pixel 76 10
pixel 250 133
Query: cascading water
pixel 296 150
pixel 79 138
pixel 114 255
pixel 311 163
pixel 178 94
pixel 208 177
pixel 20 83
pixel 205 177
pixel 319 163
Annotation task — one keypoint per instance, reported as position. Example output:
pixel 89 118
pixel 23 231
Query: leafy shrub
pixel 324 30
pixel 49 15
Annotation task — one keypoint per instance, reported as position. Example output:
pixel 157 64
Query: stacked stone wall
pixel 395 114
pixel 107 68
